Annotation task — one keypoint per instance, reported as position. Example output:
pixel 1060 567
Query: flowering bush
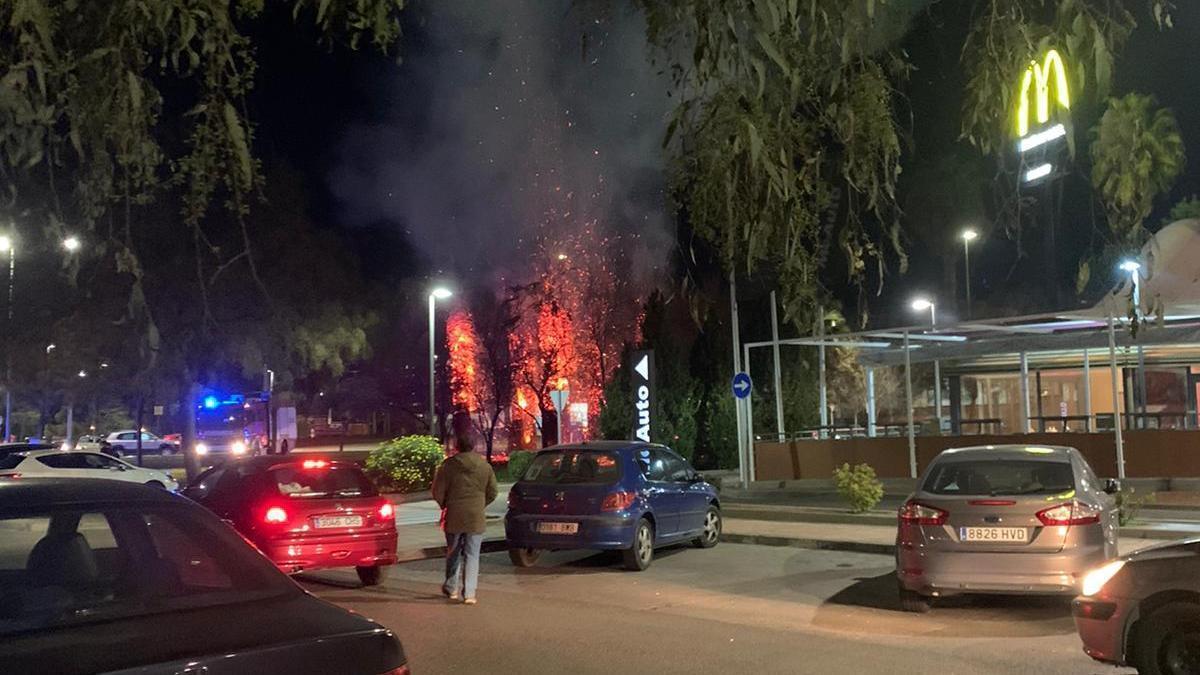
pixel 405 464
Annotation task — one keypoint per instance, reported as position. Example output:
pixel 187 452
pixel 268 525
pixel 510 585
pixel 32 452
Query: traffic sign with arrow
pixel 742 385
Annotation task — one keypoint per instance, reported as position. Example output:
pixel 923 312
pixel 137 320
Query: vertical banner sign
pixel 642 378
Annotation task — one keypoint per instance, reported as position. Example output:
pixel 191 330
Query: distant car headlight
pixel 1094 581
pixel 238 447
pixel 66 447
pixel 201 449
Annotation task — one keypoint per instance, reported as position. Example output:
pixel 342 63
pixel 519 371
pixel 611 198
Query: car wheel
pixel 156 484
pixel 370 576
pixel 712 529
pixel 524 557
pixel 116 451
pixel 639 556
pixel 166 450
pixel 912 601
pixel 1168 641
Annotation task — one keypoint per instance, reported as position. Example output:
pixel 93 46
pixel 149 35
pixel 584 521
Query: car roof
pixel 613 446
pixel 263 462
pixel 28 492
pixel 1012 451
pixel 55 451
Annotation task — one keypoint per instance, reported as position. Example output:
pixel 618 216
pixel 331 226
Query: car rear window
pixel 314 482
pixel 560 467
pixel 1000 477
pixel 11 461
pixel 85 564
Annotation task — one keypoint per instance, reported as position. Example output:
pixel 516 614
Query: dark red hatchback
pixel 304 514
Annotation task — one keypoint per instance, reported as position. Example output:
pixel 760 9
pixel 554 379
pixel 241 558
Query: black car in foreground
pixel 1143 609
pixel 101 576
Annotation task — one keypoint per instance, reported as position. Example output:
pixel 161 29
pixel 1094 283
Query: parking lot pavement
pixel 735 608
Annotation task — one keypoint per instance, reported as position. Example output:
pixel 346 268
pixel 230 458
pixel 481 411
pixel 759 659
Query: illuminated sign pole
pixel 1037 82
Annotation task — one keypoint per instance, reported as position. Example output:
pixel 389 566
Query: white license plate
pixel 557 528
pixel 1001 534
pixel 339 521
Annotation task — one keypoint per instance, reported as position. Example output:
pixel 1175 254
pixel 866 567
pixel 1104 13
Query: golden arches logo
pixel 1038 74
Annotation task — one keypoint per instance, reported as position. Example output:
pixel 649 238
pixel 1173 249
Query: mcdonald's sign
pixel 1036 82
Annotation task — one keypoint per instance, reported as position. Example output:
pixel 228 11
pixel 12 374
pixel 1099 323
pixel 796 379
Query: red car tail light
pixel 513 499
pixel 275 515
pixel 9 474
pixel 386 510
pixel 314 464
pixel 402 670
pixel 916 513
pixel 1071 513
pixel 617 501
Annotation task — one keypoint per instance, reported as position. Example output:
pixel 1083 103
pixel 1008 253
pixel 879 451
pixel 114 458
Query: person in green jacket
pixel 463 486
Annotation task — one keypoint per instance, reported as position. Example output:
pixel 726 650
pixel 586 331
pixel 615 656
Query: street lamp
pixel 920 305
pixel 968 235
pixel 436 294
pixel 6 244
pixel 71 244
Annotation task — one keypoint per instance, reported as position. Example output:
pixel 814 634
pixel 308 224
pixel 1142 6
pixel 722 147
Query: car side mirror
pixel 1112 486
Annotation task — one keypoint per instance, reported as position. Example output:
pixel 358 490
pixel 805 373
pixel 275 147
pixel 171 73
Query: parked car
pixel 74 464
pixel 304 514
pixel 1143 610
pixel 91 443
pixel 123 443
pixel 7 449
pixel 98 576
pixel 610 495
pixel 1010 519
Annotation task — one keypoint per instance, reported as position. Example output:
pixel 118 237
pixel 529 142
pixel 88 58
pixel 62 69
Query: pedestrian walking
pixel 463 486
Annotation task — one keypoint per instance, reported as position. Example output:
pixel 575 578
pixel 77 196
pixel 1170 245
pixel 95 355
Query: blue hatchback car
pixel 610 495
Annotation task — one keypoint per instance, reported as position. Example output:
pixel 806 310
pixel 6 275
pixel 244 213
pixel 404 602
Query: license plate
pixel 557 528
pixel 1001 534
pixel 339 521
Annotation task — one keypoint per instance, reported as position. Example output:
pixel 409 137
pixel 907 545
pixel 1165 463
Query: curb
pixel 431 552
pixel 887 519
pixel 814 544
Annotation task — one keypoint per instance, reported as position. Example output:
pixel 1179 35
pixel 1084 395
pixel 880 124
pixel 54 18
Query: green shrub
pixel 517 463
pixel 405 464
pixel 858 486
pixel 1129 504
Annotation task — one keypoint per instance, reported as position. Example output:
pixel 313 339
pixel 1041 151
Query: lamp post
pixel 434 295
pixel 920 305
pixel 968 235
pixel 1134 268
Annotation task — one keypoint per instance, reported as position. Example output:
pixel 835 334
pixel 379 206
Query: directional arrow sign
pixel 742 385
pixel 643 367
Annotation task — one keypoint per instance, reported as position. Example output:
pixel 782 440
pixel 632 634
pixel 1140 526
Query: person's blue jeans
pixel 462 548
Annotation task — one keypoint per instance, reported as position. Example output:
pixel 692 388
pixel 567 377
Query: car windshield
pixel 1000 477
pixel 323 480
pixel 83 564
pixel 560 467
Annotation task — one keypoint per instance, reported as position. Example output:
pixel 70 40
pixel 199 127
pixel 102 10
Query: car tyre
pixel 157 485
pixel 1168 641
pixel 912 601
pixel 639 556
pixel 712 529
pixel 115 451
pixel 166 450
pixel 524 557
pixel 371 576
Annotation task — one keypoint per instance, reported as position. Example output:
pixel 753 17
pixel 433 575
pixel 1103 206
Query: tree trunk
pixel 140 415
pixel 190 460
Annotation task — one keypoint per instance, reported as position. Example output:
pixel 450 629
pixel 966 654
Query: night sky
pixel 510 121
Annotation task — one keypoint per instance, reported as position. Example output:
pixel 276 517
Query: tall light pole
pixel 968 235
pixel 920 305
pixel 434 295
pixel 1134 268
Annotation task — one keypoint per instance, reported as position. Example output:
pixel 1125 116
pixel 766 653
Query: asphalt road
pixel 735 608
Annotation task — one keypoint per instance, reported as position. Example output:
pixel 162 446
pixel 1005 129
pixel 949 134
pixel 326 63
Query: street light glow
pixel 563 256
pixel 5 243
pixel 921 304
pixel 71 244
pixel 969 235
pixel 1038 172
pixel 441 293
pixel 83 373
pixel 1130 266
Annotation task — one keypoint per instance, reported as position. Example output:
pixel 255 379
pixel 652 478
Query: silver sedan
pixel 1011 519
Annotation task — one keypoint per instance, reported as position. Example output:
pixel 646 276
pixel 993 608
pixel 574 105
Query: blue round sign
pixel 742 385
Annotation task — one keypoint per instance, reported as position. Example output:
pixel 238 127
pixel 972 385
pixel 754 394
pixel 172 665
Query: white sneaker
pixel 470 601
